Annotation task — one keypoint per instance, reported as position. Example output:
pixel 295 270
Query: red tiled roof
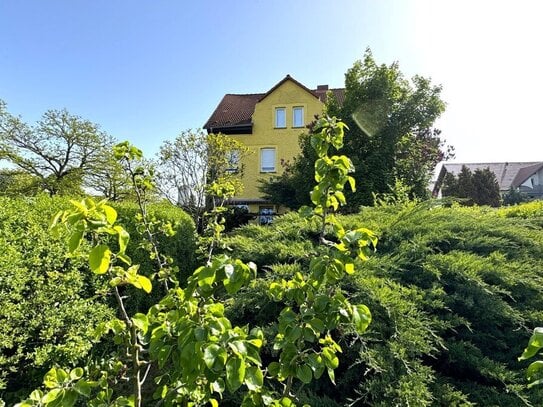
pixel 233 110
pixel 339 94
pixel 237 110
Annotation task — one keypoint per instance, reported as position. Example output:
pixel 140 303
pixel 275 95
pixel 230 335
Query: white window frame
pixel 278 125
pixel 294 109
pixel 267 168
pixel 233 158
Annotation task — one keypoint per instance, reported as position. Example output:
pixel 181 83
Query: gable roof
pixel 287 78
pixel 236 110
pixel 525 173
pixel 508 174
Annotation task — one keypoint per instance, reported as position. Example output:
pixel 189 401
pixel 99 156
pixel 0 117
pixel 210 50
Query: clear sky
pixel 145 70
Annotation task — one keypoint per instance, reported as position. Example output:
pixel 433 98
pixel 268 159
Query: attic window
pixel 280 118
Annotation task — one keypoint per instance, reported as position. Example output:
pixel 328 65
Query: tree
pixel 110 180
pixel 486 190
pixel 391 134
pixel 60 150
pixel 17 182
pixel 478 188
pixel 514 197
pixel 465 185
pixel 191 162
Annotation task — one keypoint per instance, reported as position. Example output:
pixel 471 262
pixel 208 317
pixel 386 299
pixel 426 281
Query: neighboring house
pixel 270 125
pixel 526 177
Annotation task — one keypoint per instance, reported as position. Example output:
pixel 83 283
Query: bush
pixel 49 307
pixel 454 294
pixel 50 303
pixel 181 247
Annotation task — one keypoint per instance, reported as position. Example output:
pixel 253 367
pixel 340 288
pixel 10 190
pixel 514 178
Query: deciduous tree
pixel 391 132
pixel 191 162
pixel 60 150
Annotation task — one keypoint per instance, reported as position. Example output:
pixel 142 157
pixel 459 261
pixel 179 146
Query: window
pixel 280 117
pixel 265 215
pixel 267 160
pixel 233 161
pixel 298 117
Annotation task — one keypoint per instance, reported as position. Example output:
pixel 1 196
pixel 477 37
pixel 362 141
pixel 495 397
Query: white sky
pixel 489 57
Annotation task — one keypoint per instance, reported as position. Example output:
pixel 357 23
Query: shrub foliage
pixel 454 294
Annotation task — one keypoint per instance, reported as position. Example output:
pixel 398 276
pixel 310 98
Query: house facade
pixel 526 177
pixel 269 124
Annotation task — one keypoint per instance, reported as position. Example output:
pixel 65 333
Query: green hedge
pixel 181 247
pixel 49 305
pixel 454 293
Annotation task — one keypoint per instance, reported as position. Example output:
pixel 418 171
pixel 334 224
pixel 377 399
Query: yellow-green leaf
pixel 124 237
pixel 145 283
pixel 349 268
pixel 99 259
pixel 111 214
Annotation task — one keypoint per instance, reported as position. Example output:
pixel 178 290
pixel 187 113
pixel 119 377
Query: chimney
pixel 322 87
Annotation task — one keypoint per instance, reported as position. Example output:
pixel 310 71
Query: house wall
pixel 265 135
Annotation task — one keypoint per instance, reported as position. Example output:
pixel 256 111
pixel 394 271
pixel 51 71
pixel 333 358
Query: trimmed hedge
pixel 454 293
pixel 50 304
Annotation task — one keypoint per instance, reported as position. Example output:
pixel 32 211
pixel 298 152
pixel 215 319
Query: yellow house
pixel 269 124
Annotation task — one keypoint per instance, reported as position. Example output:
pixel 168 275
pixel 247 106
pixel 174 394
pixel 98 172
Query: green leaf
pixel 274 369
pixel 361 318
pixel 69 399
pixel 535 371
pixel 331 375
pixel 75 240
pixel 352 183
pixel 111 214
pixel 163 354
pixel 303 372
pixel 254 379
pixel 206 276
pixel 50 379
pixel 316 325
pixel 124 237
pixel 215 356
pixel 76 373
pixel 141 322
pixel 83 388
pixel 53 395
pixel 534 344
pixel 99 259
pixel 145 283
pixel 124 258
pixel 330 359
pixel 239 348
pixel 235 373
